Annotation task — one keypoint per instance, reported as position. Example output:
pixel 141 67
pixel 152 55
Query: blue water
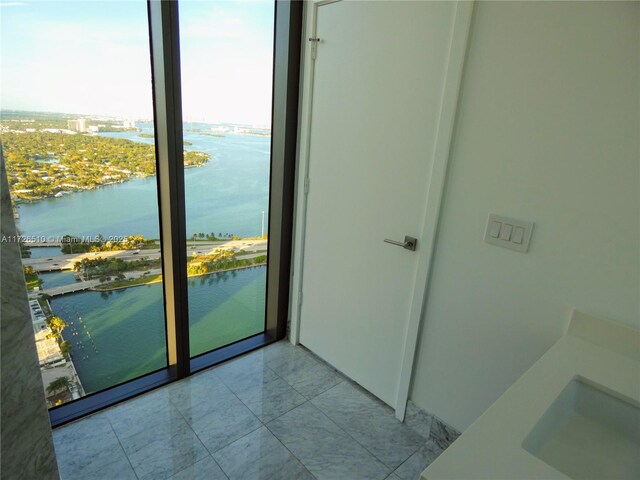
pixel 44 252
pixel 57 279
pixel 227 195
pixel 120 335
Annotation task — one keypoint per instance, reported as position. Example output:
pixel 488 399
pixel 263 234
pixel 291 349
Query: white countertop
pixel 602 352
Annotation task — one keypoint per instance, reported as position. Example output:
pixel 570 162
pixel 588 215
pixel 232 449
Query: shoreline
pixel 75 378
pixel 93 289
pixel 21 201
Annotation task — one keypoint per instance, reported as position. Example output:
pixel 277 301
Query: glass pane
pixel 77 134
pixel 227 64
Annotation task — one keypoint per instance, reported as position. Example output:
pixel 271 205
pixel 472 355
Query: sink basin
pixel 589 432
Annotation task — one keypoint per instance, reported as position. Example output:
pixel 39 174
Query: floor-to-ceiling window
pixel 226 51
pixel 140 173
pixel 77 136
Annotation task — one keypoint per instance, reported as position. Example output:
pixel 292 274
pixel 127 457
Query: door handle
pixel 408 244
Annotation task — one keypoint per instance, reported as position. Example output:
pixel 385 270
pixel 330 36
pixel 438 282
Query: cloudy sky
pixel 92 57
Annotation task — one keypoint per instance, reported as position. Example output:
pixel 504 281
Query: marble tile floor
pixel 276 413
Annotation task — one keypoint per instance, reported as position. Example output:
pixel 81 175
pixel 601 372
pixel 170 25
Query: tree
pixel 65 349
pixel 56 324
pixel 25 251
pixel 60 383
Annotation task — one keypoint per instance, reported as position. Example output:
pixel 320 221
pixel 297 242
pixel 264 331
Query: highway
pixel 66 262
pixel 87 284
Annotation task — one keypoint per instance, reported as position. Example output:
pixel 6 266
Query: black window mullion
pixel 286 74
pixel 165 60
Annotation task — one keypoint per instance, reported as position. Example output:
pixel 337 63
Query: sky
pixel 92 57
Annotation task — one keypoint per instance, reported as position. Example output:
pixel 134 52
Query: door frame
pixel 452 80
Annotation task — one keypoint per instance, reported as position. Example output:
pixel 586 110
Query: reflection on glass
pixel 77 136
pixel 226 62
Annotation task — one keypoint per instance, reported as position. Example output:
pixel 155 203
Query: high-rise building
pixel 78 125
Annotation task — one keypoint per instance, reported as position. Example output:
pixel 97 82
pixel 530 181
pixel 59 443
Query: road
pixel 66 262
pixel 87 284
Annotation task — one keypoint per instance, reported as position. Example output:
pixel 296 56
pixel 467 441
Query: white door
pixel 377 92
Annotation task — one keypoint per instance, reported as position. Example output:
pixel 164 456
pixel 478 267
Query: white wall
pixel 547 131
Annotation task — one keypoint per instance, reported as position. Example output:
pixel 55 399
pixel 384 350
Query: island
pixel 43 163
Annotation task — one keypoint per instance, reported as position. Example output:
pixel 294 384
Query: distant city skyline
pixel 92 58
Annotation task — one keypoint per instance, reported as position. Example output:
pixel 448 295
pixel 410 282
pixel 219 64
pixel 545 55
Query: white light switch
pixel 505 233
pixel 494 229
pixel 508 233
pixel 518 235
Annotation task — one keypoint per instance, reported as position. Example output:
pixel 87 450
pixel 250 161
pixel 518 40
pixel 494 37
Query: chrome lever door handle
pixel 408 244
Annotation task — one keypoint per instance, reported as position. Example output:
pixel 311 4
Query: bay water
pixel 120 335
pixel 227 195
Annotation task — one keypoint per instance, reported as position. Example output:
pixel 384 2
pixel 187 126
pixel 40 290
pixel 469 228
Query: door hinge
pixel 306 185
pixel 314 47
pixel 300 297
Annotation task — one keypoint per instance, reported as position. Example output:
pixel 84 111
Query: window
pixel 226 53
pixel 77 134
pixel 122 191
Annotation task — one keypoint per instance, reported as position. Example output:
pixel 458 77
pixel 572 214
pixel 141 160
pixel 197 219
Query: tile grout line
pixel 264 365
pixel 283 444
pixel 350 436
pixel 201 460
pixel 309 400
pixel 290 386
pixel 319 362
pixel 199 439
pixel 239 399
pixel 327 389
pixel 121 446
pixel 366 449
pixel 264 424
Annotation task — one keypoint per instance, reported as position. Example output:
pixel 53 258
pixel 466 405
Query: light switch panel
pixel 508 233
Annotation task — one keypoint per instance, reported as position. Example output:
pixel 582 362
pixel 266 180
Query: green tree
pixel 56 324
pixel 60 383
pixel 25 251
pixel 29 271
pixel 65 349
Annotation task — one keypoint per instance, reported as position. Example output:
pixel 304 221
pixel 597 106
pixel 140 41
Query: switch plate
pixel 508 233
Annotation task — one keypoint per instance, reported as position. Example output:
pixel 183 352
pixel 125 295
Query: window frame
pixel 164 40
